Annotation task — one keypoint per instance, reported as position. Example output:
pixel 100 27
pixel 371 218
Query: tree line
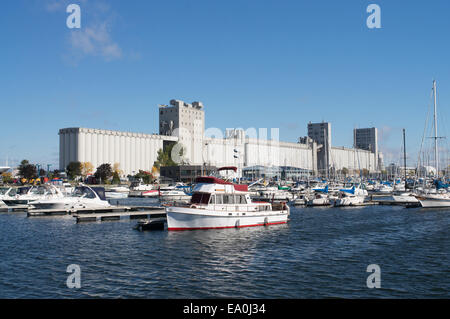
pixel 104 173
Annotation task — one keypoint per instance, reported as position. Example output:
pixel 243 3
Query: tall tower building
pixel 367 139
pixel 321 134
pixel 187 122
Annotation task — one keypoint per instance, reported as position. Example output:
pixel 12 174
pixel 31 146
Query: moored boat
pixel 351 196
pixel 439 200
pixel 83 197
pixel 217 203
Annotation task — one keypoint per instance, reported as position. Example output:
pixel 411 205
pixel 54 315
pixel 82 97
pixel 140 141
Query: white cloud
pixel 54 5
pixel 94 40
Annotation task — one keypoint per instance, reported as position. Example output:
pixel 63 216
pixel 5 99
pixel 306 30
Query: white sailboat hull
pixel 404 199
pixel 318 202
pixel 435 203
pixel 349 201
pixel 115 195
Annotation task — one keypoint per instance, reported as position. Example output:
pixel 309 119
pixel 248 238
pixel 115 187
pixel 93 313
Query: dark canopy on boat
pixel 228 168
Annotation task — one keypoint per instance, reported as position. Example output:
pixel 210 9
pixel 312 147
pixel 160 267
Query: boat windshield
pixel 40 190
pixel 200 198
pixel 4 190
pixel 83 192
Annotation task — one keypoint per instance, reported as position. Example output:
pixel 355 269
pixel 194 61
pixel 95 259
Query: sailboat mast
pixel 404 153
pixel 436 157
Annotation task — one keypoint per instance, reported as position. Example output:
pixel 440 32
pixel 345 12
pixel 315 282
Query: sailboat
pixel 440 198
pixel 351 196
pixel 402 196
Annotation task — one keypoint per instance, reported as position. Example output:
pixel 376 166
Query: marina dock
pixel 59 212
pixel 139 214
pixel 109 213
pixel 11 209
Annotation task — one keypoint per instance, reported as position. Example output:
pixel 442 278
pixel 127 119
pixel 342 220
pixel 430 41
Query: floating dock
pixel 133 213
pixel 11 209
pixel 103 213
pixel 59 212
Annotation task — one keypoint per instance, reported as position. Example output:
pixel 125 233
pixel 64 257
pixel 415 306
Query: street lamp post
pixel 236 156
pixel 203 160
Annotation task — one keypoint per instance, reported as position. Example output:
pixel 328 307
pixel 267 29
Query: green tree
pixel 27 170
pixel 165 156
pixel 345 171
pixel 7 177
pixel 104 172
pixel 147 177
pixel 54 174
pixel 116 178
pixel 73 170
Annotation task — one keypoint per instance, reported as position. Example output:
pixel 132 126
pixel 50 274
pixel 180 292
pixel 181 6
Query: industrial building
pixel 184 123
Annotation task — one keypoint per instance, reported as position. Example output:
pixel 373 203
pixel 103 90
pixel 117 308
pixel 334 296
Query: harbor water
pixel 320 253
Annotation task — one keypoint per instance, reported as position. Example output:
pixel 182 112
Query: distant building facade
pixel 184 123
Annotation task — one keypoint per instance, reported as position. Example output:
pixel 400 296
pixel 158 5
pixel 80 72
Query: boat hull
pixel 349 201
pixel 192 219
pixel 168 198
pixel 318 202
pixel 404 199
pixel 116 195
pixel 435 203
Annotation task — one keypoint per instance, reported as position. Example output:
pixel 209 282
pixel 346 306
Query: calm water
pixel 322 252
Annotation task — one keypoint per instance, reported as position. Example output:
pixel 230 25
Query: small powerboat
pixel 151 224
pixel 83 197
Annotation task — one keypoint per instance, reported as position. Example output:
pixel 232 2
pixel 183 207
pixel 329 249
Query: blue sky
pixel 262 64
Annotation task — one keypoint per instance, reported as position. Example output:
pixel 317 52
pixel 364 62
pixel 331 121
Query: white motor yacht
pixel 5 192
pixel 179 192
pixel 140 187
pixel 117 192
pixel 273 193
pixel 25 195
pixel 83 197
pixel 217 204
